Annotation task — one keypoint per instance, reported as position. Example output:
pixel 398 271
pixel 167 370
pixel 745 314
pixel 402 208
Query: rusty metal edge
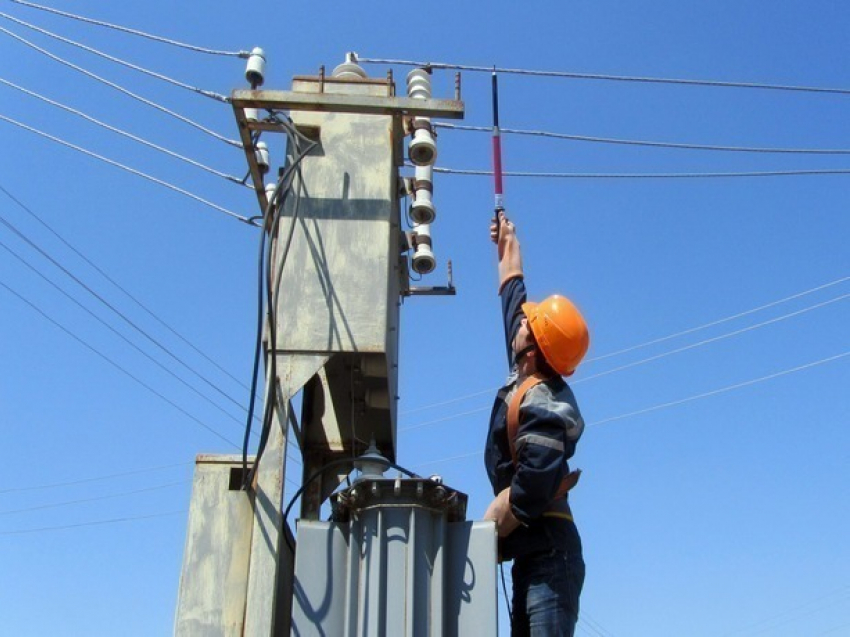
pixel 248 147
pixel 341 103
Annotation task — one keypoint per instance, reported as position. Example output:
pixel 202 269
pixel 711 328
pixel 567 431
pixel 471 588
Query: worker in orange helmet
pixel 534 427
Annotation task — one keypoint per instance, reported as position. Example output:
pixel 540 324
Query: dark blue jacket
pixel 550 425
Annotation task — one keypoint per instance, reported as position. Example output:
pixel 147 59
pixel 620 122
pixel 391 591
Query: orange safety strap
pixel 514 405
pixel 571 479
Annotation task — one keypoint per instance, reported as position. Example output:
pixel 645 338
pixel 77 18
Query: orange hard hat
pixel 560 332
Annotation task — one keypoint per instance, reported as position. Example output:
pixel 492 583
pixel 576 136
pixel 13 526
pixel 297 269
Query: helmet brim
pixel 528 308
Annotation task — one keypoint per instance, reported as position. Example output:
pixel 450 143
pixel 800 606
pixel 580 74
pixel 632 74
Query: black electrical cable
pixel 295 168
pixel 316 474
pixel 505 591
pixel 271 290
pixel 259 339
pixel 272 213
pixel 271 304
pixel 275 204
pixel 319 472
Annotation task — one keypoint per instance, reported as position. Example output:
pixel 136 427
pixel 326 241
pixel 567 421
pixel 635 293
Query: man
pixel 534 427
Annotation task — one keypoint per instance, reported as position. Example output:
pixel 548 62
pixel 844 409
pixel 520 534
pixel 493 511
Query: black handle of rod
pixel 495 100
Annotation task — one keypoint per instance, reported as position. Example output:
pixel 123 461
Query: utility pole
pixel 394 558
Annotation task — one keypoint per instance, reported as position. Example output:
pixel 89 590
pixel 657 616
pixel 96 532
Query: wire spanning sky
pixel 712 499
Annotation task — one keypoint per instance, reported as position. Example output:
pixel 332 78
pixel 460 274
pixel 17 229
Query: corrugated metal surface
pixel 395 569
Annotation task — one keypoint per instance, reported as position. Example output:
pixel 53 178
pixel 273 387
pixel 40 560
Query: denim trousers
pixel 546 593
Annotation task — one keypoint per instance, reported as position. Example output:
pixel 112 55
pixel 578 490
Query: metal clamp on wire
pixel 420 123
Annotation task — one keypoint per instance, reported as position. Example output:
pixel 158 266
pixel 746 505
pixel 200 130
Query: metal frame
pixel 325 102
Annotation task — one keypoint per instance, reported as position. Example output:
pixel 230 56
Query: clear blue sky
pixel 722 515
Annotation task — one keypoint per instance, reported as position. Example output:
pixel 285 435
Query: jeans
pixel 546 593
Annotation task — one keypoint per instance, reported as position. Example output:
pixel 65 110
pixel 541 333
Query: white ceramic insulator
pixel 349 69
pixel 423 258
pixel 424 173
pixel 255 72
pixel 422 210
pixel 423 149
pixel 372 469
pixel 261 152
pixel 270 188
pixel 419 84
pixel 252 114
pixel 422 230
pixel 422 152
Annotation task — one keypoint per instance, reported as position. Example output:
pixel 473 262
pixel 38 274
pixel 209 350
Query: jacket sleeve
pixel 513 295
pixel 548 431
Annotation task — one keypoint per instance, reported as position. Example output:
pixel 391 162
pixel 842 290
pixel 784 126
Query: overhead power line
pixel 634 142
pixel 655 341
pixel 111 476
pixel 211 94
pixel 461 456
pixel 121 89
pixel 91 523
pixel 795 612
pixel 645 360
pixel 725 319
pixel 100 23
pixel 55 505
pixel 594 626
pixel 436 421
pixel 613 78
pixel 119 313
pixel 491 391
pixel 119 334
pixel 119 367
pixel 711 340
pixel 138 173
pixel 666 405
pixel 106 276
pixel 145 142
pixel 710 175
pixel 722 390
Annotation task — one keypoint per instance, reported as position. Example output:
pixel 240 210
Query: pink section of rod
pixel 497 167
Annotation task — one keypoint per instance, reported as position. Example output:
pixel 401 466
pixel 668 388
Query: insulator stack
pixel 422 150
